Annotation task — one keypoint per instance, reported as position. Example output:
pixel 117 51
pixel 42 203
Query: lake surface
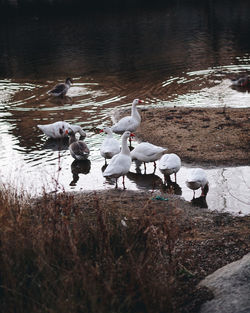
pixel 181 55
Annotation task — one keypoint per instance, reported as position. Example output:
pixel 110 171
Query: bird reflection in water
pixel 172 187
pixel 79 167
pixel 243 89
pixel 60 100
pixel 109 180
pixel 200 202
pixel 145 181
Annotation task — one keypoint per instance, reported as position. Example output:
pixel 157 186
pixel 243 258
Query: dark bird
pixel 78 148
pixel 243 81
pixel 61 89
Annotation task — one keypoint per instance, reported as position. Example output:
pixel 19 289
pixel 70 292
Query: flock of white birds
pixel 121 157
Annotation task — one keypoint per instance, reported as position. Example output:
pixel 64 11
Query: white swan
pixel 147 152
pixel 61 89
pixel 169 164
pixel 198 179
pixel 110 145
pixel 58 129
pixel 129 123
pixel 78 149
pixel 120 163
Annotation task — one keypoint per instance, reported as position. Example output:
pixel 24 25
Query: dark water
pixel 183 54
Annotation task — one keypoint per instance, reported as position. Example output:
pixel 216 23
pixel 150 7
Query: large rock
pixel 231 288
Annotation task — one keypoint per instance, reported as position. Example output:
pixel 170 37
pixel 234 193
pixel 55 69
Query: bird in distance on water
pixel 61 89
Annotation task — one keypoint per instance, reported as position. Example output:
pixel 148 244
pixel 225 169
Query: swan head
pixel 126 134
pixel 106 130
pixel 68 81
pixel 136 101
pixel 70 132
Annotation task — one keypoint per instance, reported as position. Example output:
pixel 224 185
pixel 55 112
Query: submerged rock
pixel 231 287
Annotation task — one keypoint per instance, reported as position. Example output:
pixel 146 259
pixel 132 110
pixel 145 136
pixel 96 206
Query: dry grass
pixel 58 257
pixel 64 254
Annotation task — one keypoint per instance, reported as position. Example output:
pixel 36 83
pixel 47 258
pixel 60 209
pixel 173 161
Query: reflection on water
pixel 182 55
pixel 145 181
pixel 79 167
pixel 172 188
pixel 200 202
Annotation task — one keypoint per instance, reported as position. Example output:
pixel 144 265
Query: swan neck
pixel 125 148
pixel 78 129
pixel 135 113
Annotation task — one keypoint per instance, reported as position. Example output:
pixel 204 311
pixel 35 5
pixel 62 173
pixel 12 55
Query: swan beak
pixel 101 131
pixel 66 131
pixel 140 101
pixel 132 135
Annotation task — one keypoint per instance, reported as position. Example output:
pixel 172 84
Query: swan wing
pixel 119 165
pixel 126 123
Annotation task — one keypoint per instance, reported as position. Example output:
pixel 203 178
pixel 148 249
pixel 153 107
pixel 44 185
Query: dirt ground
pixel 211 136
pixel 203 240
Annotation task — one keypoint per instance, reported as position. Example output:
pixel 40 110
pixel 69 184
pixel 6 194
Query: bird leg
pixel 154 167
pixel 175 176
pixel 116 185
pixel 130 142
pixel 202 192
pixel 144 167
pixel 123 182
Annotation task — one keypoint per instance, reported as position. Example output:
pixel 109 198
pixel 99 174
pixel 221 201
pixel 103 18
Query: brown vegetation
pixel 111 251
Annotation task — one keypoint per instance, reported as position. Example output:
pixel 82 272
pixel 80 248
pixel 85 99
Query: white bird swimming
pixel 120 163
pixel 58 129
pixel 61 89
pixel 78 149
pixel 110 145
pixel 198 179
pixel 169 164
pixel 130 123
pixel 147 152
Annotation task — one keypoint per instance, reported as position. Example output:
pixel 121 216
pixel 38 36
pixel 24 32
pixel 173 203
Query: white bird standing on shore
pixel 61 89
pixel 198 179
pixel 169 164
pixel 58 129
pixel 147 152
pixel 130 123
pixel 110 145
pixel 120 163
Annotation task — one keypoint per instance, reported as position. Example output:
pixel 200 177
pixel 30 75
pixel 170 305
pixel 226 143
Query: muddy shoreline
pixel 208 136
